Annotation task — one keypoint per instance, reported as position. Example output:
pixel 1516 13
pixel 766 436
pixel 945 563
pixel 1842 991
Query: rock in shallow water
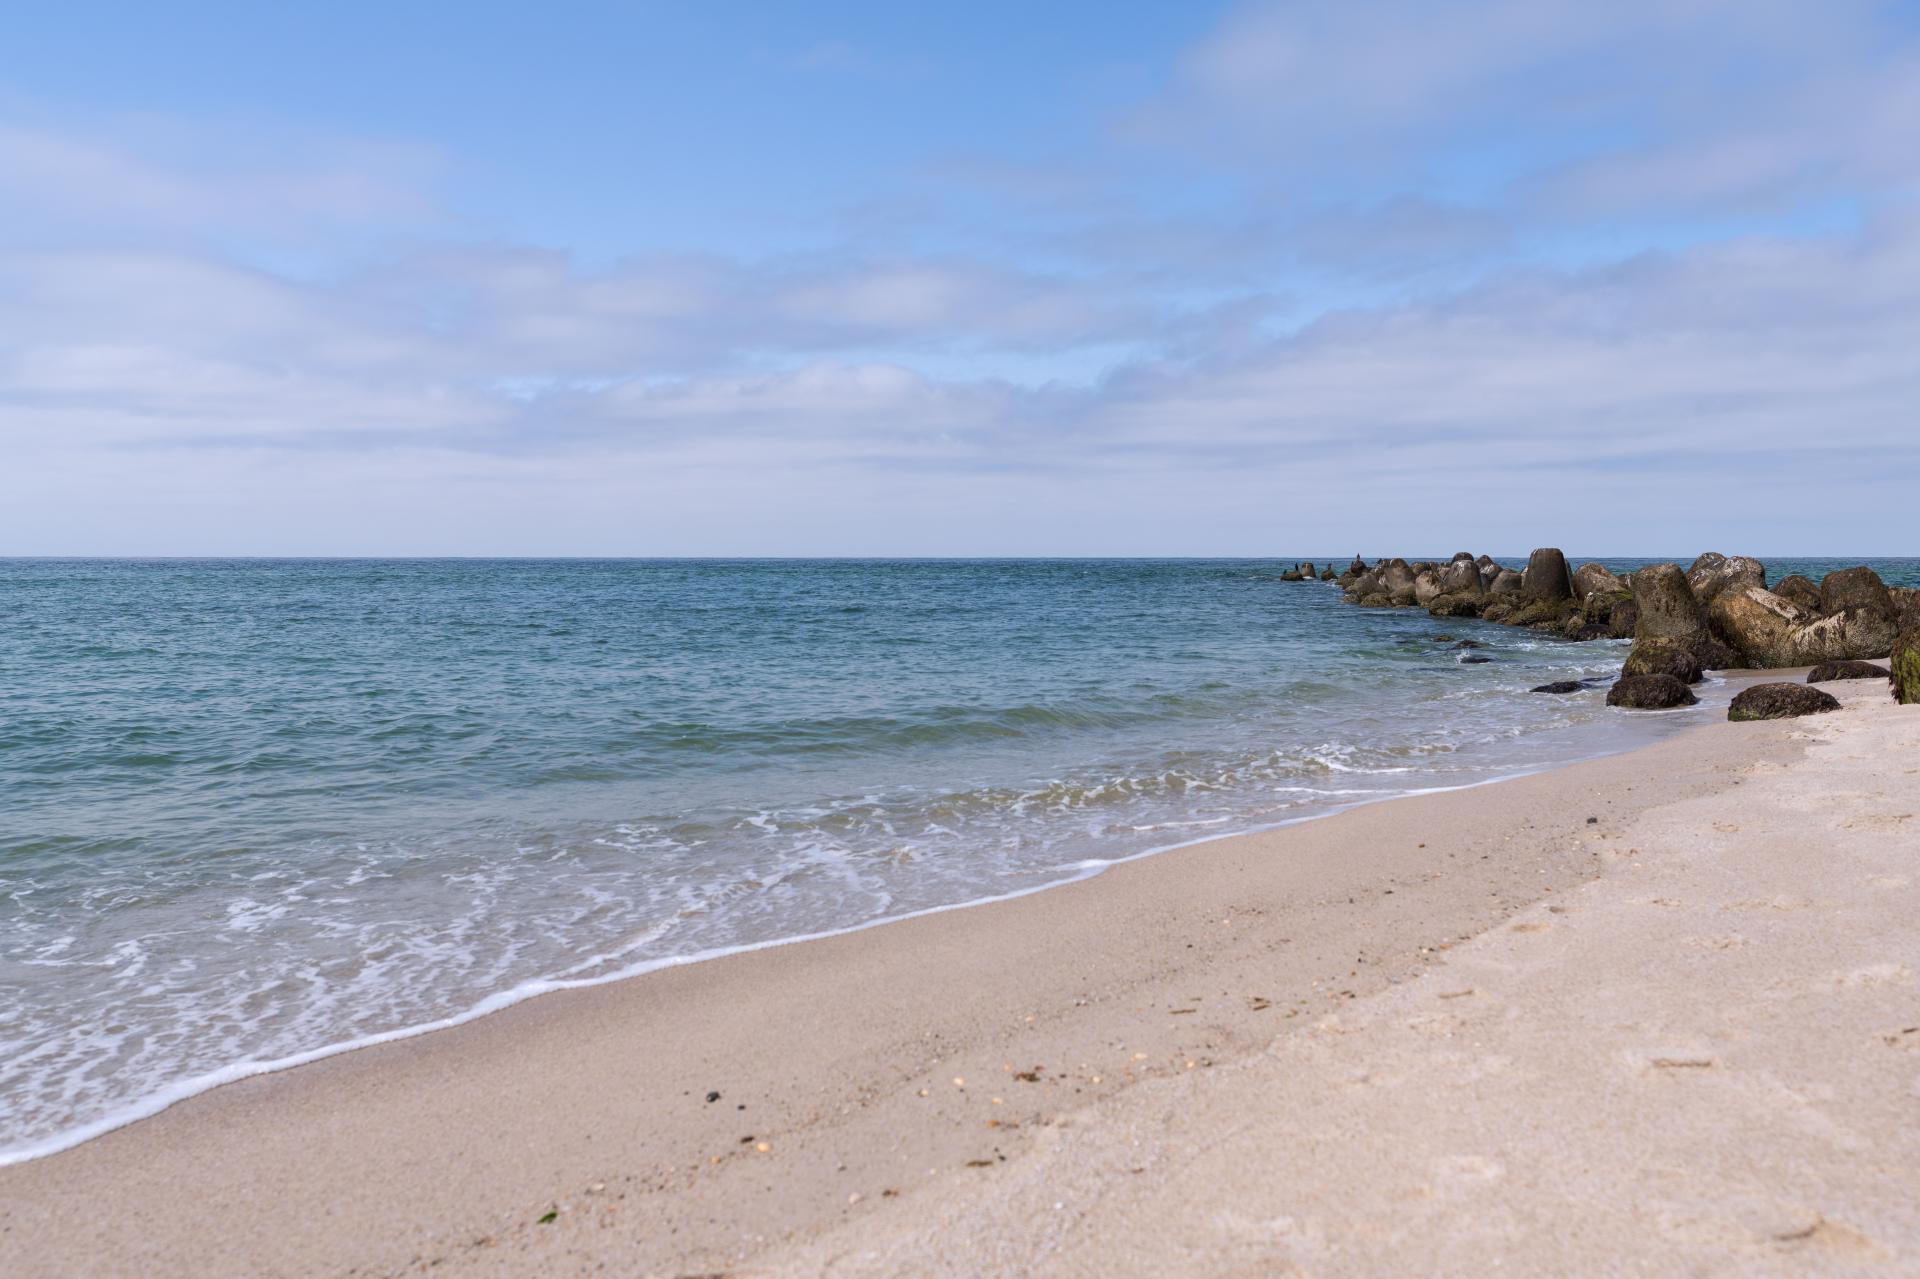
pixel 1674 657
pixel 1559 686
pixel 1649 693
pixel 1846 670
pixel 1546 577
pixel 1780 701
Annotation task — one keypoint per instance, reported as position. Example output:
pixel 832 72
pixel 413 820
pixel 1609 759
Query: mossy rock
pixel 1664 657
pixel 1456 605
pixel 1781 701
pixel 1649 693
pixel 1905 665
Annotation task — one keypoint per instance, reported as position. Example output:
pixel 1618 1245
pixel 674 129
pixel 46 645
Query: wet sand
pixel 1644 1011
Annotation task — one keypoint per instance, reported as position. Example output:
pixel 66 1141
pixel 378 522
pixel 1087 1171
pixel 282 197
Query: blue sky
pixel 732 278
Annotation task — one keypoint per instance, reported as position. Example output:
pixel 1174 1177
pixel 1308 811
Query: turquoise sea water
pixel 254 810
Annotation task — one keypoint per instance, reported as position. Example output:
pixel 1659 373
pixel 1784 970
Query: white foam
pixel 1073 872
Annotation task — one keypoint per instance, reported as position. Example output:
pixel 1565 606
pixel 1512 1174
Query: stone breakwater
pixel 1717 613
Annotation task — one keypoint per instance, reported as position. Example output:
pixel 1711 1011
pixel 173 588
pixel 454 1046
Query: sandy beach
pixel 1655 1013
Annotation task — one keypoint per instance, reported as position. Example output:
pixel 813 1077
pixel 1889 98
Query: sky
pixel 1283 278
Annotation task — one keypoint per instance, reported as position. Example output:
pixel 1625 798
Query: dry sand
pixel 1439 1035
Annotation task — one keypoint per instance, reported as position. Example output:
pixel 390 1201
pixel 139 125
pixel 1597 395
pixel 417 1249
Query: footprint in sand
pixel 1877 975
pixel 1834 1235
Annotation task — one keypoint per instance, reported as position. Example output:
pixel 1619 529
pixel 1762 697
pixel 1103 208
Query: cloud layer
pixel 1671 303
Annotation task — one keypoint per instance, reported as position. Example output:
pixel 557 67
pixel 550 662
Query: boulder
pixel 1667 607
pixel 1856 588
pixel 1780 701
pixel 1559 686
pixel 1499 608
pixel 1426 585
pixel 1542 615
pixel 1865 609
pixel 1486 561
pixel 1715 656
pixel 1768 631
pixel 1309 571
pixel 1675 657
pixel 1326 574
pixel 1505 582
pixel 1713 573
pixel 1374 599
pixel 1474 659
pixel 1905 665
pixel 1458 604
pixel 1461 577
pixel 1358 566
pixel 1649 693
pixel 1458 556
pixel 1546 577
pixel 1906 603
pixel 1595 577
pixel 1624 620
pixel 1799 590
pixel 1293 575
pixel 1762 627
pixel 1368 583
pixel 1398 580
pixel 1599 607
pixel 1828 671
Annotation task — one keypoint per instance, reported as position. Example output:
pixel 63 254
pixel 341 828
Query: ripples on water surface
pixel 253 809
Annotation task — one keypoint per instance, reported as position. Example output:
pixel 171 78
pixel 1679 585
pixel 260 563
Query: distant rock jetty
pixel 1717 613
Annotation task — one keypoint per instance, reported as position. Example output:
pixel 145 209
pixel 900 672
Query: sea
pixel 253 812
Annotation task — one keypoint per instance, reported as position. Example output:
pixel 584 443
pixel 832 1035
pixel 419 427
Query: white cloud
pixel 497 397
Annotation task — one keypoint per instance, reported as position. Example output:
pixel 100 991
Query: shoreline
pixel 390 1136
pixel 188 1089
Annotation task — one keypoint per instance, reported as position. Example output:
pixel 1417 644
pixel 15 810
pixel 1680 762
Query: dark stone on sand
pixel 1649 693
pixel 1780 701
pixel 1560 686
pixel 1828 671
